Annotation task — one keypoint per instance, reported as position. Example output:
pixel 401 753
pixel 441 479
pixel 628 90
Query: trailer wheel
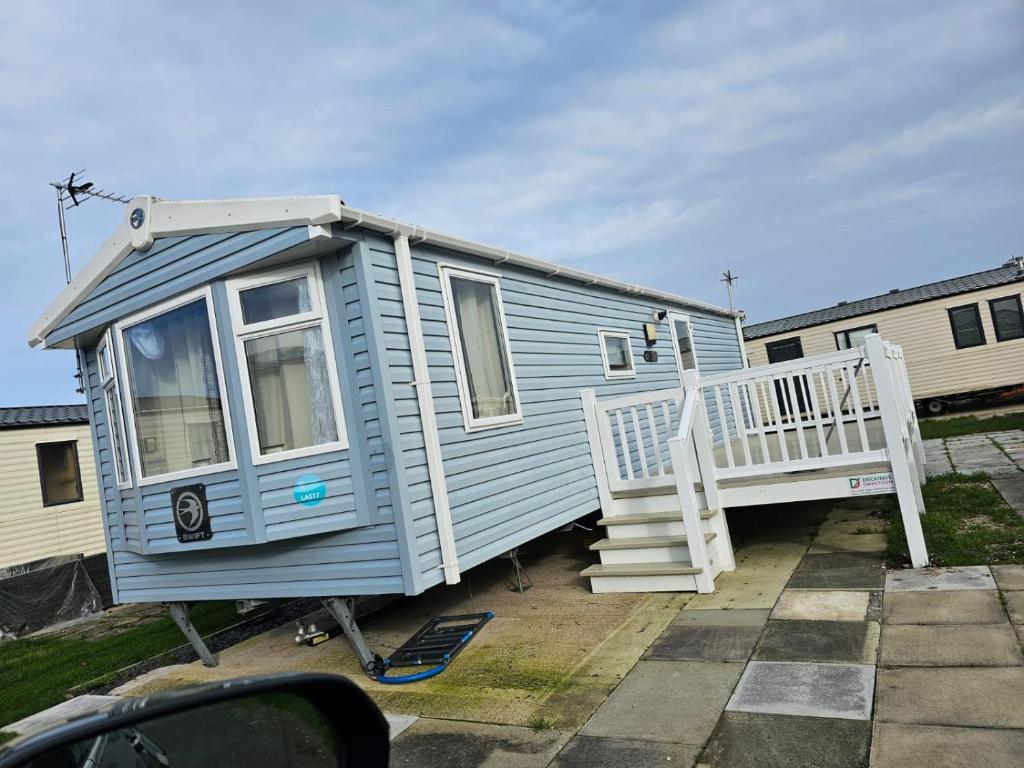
pixel 934 407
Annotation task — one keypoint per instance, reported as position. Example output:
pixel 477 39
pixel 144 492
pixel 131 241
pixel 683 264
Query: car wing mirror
pixel 312 721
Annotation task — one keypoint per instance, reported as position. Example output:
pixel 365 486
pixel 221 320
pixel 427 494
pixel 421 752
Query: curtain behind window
pixel 173 377
pixel 483 351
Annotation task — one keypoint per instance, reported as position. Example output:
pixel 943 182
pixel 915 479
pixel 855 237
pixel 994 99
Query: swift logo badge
pixel 191 513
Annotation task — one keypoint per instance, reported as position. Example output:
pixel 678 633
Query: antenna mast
pixel 729 278
pixel 71 195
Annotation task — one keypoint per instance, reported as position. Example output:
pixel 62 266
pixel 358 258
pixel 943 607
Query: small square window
pixel 616 354
pixel 966 324
pixel 59 475
pixel 854 337
pixel 1007 318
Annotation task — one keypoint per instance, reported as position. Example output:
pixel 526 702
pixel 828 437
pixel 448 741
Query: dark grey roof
pixel 43 415
pixel 1008 273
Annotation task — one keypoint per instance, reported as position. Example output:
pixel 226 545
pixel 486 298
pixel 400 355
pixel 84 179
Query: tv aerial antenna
pixel 729 278
pixel 71 193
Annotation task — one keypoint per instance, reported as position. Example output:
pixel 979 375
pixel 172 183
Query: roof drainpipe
pixel 428 419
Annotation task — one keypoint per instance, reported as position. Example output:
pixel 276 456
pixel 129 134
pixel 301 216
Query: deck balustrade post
pixel 908 491
pixel 692 526
pixel 604 494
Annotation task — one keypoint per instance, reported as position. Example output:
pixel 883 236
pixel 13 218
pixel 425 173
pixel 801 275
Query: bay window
pixel 289 374
pixel 176 402
pixel 480 348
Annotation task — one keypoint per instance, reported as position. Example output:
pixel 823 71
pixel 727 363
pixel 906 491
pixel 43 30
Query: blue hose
pixel 427 673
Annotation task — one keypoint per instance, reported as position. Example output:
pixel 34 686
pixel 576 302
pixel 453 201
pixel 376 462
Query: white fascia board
pixel 173 218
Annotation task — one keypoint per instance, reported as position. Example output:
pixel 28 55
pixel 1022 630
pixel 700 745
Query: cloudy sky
pixel 820 150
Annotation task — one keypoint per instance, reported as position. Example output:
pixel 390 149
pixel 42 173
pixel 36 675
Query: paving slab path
pixel 1000 454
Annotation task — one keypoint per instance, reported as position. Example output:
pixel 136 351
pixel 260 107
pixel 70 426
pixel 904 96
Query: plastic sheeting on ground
pixel 43 593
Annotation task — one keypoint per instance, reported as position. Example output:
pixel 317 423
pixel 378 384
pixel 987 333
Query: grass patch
pixel 38 672
pixel 968 523
pixel 969 425
pixel 541 723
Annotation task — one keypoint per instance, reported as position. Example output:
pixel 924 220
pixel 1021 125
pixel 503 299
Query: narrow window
pixel 966 324
pixel 682 335
pixel 616 355
pixel 112 407
pixel 176 390
pixel 483 358
pixel 284 343
pixel 854 337
pixel 1007 317
pixel 59 475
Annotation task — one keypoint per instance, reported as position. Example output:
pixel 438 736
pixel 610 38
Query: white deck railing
pixel 842 409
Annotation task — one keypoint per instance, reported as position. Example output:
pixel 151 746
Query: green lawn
pixel 967 523
pixel 967 425
pixel 36 673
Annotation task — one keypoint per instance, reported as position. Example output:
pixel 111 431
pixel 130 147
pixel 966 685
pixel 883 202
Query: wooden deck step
pixel 640 569
pixel 632 518
pixel 644 541
pixel 667 488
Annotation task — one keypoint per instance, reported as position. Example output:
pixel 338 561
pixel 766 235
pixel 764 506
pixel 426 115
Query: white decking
pixel 669 462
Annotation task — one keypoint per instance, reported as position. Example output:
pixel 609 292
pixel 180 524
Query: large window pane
pixel 1007 318
pixel 966 323
pixel 275 300
pixel 291 390
pixel 483 348
pixel 175 391
pixel 58 473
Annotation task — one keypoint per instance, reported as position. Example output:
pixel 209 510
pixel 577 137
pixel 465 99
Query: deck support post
pixel 180 616
pixel 343 611
pixel 904 472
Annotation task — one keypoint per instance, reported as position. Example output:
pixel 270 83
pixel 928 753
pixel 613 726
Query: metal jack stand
pixel 343 611
pixel 520 580
pixel 180 615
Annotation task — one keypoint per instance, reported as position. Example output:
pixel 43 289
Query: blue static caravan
pixel 291 397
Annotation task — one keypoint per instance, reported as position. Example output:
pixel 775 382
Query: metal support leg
pixel 343 611
pixel 180 615
pixel 520 580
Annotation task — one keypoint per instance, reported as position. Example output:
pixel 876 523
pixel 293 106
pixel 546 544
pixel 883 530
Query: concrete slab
pixel 1009 578
pixel 834 605
pixel 704 643
pixel 1011 488
pixel 762 571
pixel 837 578
pixel 980 697
pixel 840 541
pixel 903 746
pixel 744 617
pixel 968 577
pixel 964 645
pixel 744 740
pixel 1015 606
pixel 842 691
pixel 980 607
pixel 399 723
pixel 673 701
pixel 455 743
pixel 875 605
pixel 822 641
pixel 842 560
pixel 601 752
pixel 60 713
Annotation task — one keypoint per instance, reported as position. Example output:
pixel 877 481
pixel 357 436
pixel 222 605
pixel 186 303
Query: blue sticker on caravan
pixel 310 490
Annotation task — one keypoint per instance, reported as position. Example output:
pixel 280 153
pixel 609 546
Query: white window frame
pixel 682 318
pixel 471 423
pixel 605 333
pixel 112 399
pixel 181 300
pixel 316 317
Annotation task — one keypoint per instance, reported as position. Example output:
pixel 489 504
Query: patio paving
pixel 1000 454
pixel 842 691
pixel 823 641
pixel 743 740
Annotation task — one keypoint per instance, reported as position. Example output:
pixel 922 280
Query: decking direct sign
pixel 191 513
pixel 868 485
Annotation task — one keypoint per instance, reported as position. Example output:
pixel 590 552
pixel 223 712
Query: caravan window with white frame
pixel 616 354
pixel 177 405
pixel 289 374
pixel 114 413
pixel 479 338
